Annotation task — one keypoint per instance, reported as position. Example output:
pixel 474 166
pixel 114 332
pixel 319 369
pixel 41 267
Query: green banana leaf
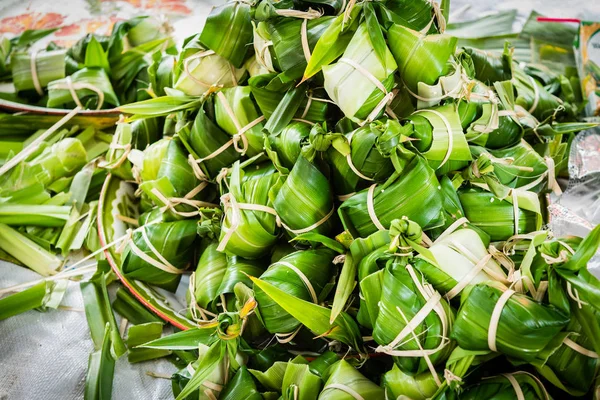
pixel 415 387
pixel 244 232
pixel 414 193
pixel 402 297
pixel 286 35
pixel 500 387
pixel 239 100
pixel 303 199
pixel 174 241
pixel 199 69
pixel 314 265
pixel 50 66
pixel 350 82
pixel 49 164
pixel 285 148
pixel 420 58
pixel 228 32
pixel 91 86
pixel 343 381
pixel 446 150
pixel 455 258
pixel 496 217
pixel 241 387
pixel 473 321
pixel 365 155
pixel 165 170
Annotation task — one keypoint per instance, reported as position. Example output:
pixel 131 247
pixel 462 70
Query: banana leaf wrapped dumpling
pixel 344 382
pixel 517 167
pixel 460 259
pixel 89 88
pixel 36 70
pixel 440 138
pixel 217 274
pixel 491 317
pixel 303 199
pixel 533 96
pixel 417 387
pixel 490 118
pixel 415 338
pixel 236 114
pixel 287 146
pixel 362 161
pixel 199 69
pixel 168 180
pixel 249 228
pixel 158 253
pixel 415 194
pixel 359 82
pixel 572 365
pixel 422 59
pixel 520 385
pixel 520 212
pixel 293 41
pixel 211 148
pixel 228 31
pixel 303 274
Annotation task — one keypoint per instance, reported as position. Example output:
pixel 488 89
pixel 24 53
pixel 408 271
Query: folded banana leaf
pixel 293 42
pixel 236 114
pixel 572 365
pixel 302 274
pixel 343 382
pixel 228 32
pixel 370 256
pixel 416 15
pixel 515 167
pixel 216 379
pixel 440 138
pixel 497 217
pixel 360 83
pixel 158 253
pixel 46 67
pixel 487 67
pixel 49 164
pixel 116 156
pixel 491 317
pixel 269 92
pixel 414 194
pixel 420 58
pixel 199 69
pixel 212 266
pixel 362 161
pixel 304 200
pixel 285 148
pixel 167 176
pixel 533 96
pixel 460 259
pixel 208 144
pixel 160 74
pixel 216 275
pixel 415 341
pixel 146 29
pixel 416 387
pixel 241 386
pixel 520 385
pixel 89 88
pixel 299 382
pixel 490 119
pixel 247 231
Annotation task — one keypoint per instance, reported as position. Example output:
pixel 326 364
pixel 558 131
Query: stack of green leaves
pixel 351 198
